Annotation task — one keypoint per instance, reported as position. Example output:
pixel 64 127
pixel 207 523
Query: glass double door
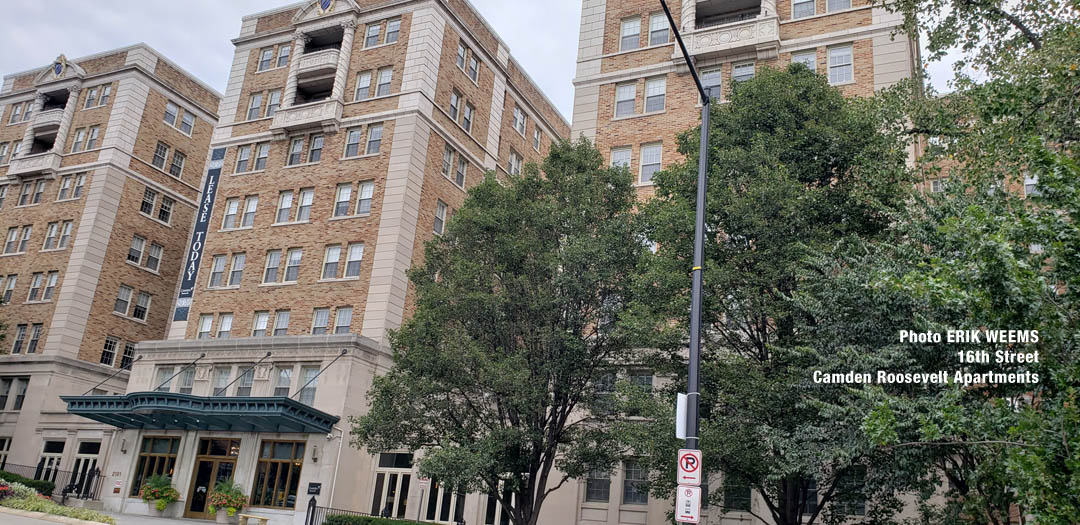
pixel 216 462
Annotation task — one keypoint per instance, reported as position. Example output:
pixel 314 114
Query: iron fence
pixel 317 515
pixel 85 484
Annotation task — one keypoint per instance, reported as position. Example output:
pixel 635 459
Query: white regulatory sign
pixel 688 504
pixel 689 467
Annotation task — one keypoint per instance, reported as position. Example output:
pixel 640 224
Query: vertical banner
pixel 198 235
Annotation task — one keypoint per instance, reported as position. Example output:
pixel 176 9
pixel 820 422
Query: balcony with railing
pixel 46 163
pixel 322 113
pixel 318 62
pixel 721 27
pixel 48 118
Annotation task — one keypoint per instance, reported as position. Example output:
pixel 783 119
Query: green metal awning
pixel 172 411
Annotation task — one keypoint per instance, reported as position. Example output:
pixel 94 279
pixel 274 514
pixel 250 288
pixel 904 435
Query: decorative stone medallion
pixel 325 6
pixel 59 65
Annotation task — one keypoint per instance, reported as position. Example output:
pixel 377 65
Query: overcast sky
pixel 196 33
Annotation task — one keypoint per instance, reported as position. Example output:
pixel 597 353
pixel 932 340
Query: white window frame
pixel 628 28
pixel 626 92
pixel 622 156
pixel 656 88
pixel 841 73
pixel 795 14
pixel 645 149
pixel 799 57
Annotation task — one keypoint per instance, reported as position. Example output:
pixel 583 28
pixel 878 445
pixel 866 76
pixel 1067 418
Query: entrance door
pixel 216 462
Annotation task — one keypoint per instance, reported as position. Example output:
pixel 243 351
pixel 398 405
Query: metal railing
pixel 81 485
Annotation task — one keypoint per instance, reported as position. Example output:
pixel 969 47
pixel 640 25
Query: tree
pixel 519 310
pixel 795 167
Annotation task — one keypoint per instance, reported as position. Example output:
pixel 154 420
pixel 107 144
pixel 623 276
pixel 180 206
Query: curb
pixel 47 517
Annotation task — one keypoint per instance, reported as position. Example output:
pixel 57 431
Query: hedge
pixel 40 504
pixel 42 486
pixel 345 519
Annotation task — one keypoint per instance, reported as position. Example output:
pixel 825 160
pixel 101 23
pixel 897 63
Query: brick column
pixel 65 120
pixel 341 75
pixel 28 135
pixel 689 13
pixel 299 41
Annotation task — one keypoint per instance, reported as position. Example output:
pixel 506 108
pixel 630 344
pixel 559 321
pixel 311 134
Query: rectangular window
pixel 259 323
pixel 26 232
pixel 221 379
pixel 371 36
pixel 274 104
pixel 1031 185
pixel 281 322
pixel 225 326
pixel 536 139
pixel 65 234
pixel 303 212
pixel 9 287
pixel 50 285
pixel 277 474
pixel 598 486
pixel 620 157
pixel 658 29
pixel 474 68
pixel 217 271
pixel 177 166
pixel 171 111
pixel 283 380
pixel 811 503
pixel 366 193
pixel 634 492
pixel 16 112
pixel 515 163
pixel 447 160
pixel 308 380
pixel 12 240
pixel 243 384
pixel 459 174
pixel 135 252
pixel 36 280
pixel 273 266
pixel 157 455
pixel 292 266
pixel 129 356
pixel 236 273
pixel 461 56
pixel 440 217
pixel 65 189
pixel 206 325
pixel 393 27
pixel 467 118
pixel 148 201
pixel 455 103
pixel 625 94
pixel 320 320
pixel 39 190
pixel 802 8
pixel 92 137
pixel 352 260
pixel 342 199
pixel 262 152
pixel 315 149
pixel 266 57
pixel 650 161
pixel 837 5
pixel 3 152
pixel 352 142
pixel 51 234
pixel 187 381
pixel 331 261
pixel 123 300
pixel 374 141
pixel 519 121
pixel 243 158
pixel 20 339
pixel 284 209
pixel 187 122
pixel 251 204
pixel 630 34
pixel 655 92
pixel 386 75
pixel 80 181
pixel 142 306
pixel 153 257
pixel 283 55
pixel 77 145
pixel 296 151
pixel 165 210
pixel 806 58
pixel 91 98
pixel 108 352
pixel 841 70
pixel 363 86
pixel 106 91
pixel 254 106
pixel 232 213
pixel 743 71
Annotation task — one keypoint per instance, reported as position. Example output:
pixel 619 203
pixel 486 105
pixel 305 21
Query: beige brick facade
pixel 90 144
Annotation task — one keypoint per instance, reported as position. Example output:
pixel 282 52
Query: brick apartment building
pixel 100 162
pixel 348 134
pixel 634 93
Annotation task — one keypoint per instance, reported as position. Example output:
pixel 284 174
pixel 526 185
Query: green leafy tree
pixel 795 167
pixel 519 310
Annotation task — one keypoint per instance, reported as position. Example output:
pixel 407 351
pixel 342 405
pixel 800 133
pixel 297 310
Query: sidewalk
pixel 132 519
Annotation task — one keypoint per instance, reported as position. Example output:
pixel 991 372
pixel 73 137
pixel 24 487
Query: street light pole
pixel 699 247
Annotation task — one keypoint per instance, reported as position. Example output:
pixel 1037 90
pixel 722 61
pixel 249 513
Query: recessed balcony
pixel 48 118
pixel 37 164
pixel 325 114
pixel 317 63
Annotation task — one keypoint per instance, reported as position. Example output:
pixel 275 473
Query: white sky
pixel 196 35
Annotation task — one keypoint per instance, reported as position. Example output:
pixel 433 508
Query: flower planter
pixel 222 517
pixel 152 511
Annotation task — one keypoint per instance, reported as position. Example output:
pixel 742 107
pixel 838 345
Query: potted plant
pixel 229 496
pixel 158 492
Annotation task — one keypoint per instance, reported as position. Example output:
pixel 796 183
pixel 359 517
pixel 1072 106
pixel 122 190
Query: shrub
pixel 159 489
pixel 42 486
pixel 22 491
pixel 344 519
pixel 5 490
pixel 227 495
pixel 38 504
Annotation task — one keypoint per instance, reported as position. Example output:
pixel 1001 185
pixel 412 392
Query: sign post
pixel 688 504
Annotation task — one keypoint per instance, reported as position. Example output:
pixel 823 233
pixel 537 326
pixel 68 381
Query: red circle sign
pixel 689 462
